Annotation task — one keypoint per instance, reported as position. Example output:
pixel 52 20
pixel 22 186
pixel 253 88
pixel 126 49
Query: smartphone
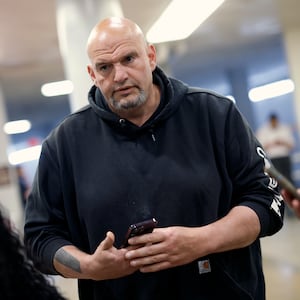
pixel 282 181
pixel 139 229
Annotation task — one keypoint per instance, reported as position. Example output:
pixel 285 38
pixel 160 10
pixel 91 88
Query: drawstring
pixel 122 123
pixel 152 134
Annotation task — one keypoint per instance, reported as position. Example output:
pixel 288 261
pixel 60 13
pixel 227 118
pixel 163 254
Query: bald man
pixel 149 146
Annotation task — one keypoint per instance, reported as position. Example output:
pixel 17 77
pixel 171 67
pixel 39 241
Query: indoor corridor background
pixel 281 257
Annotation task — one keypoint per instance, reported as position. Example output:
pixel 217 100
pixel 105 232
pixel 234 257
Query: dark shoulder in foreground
pixel 18 278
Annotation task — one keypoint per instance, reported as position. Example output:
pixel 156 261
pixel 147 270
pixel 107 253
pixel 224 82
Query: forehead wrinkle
pixel 116 52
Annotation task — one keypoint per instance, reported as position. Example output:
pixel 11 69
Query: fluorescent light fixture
pixel 180 19
pixel 271 90
pixel 57 88
pixel 15 127
pixel 25 155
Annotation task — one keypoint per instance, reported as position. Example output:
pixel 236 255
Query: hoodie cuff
pixel 46 264
pixel 270 222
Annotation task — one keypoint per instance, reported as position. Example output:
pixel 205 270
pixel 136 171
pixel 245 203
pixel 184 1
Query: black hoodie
pixel 188 165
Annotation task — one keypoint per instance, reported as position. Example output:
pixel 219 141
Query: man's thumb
pixel 108 242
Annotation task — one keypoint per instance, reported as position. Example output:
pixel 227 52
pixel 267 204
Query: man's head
pixel 273 118
pixel 121 63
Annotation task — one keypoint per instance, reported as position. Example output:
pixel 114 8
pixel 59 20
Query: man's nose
pixel 120 73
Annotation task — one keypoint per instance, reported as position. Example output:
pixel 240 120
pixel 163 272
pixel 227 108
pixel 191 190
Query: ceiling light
pixel 180 19
pixel 271 90
pixel 24 155
pixel 57 88
pixel 15 127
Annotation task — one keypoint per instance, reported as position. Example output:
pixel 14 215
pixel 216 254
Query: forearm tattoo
pixel 67 260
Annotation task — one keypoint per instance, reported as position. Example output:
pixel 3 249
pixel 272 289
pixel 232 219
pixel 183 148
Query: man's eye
pixel 129 58
pixel 103 68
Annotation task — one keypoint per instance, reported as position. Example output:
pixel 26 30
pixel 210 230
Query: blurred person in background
pixel 18 278
pixel 24 187
pixel 148 145
pixel 278 141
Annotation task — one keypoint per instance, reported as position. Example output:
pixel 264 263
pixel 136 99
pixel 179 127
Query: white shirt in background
pixel 278 141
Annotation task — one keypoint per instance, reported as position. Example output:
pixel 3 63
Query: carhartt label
pixel 204 266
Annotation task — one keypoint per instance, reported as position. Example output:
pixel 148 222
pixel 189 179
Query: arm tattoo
pixel 67 260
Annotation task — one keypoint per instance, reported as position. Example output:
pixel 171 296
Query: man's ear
pixel 152 56
pixel 91 72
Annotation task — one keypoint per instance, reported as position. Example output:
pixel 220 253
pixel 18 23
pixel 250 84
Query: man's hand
pixel 291 201
pixel 174 246
pixel 164 248
pixel 107 262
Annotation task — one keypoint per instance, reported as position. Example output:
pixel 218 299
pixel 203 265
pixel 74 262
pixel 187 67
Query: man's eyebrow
pixel 131 53
pixel 107 62
pixel 101 63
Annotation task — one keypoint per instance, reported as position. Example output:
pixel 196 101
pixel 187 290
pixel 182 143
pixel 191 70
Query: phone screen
pixel 139 229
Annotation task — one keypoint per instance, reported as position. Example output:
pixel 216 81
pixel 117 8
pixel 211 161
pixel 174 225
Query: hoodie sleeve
pixel 252 187
pixel 45 229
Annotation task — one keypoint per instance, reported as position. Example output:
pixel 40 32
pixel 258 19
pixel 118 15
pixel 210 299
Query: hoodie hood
pixel 172 92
